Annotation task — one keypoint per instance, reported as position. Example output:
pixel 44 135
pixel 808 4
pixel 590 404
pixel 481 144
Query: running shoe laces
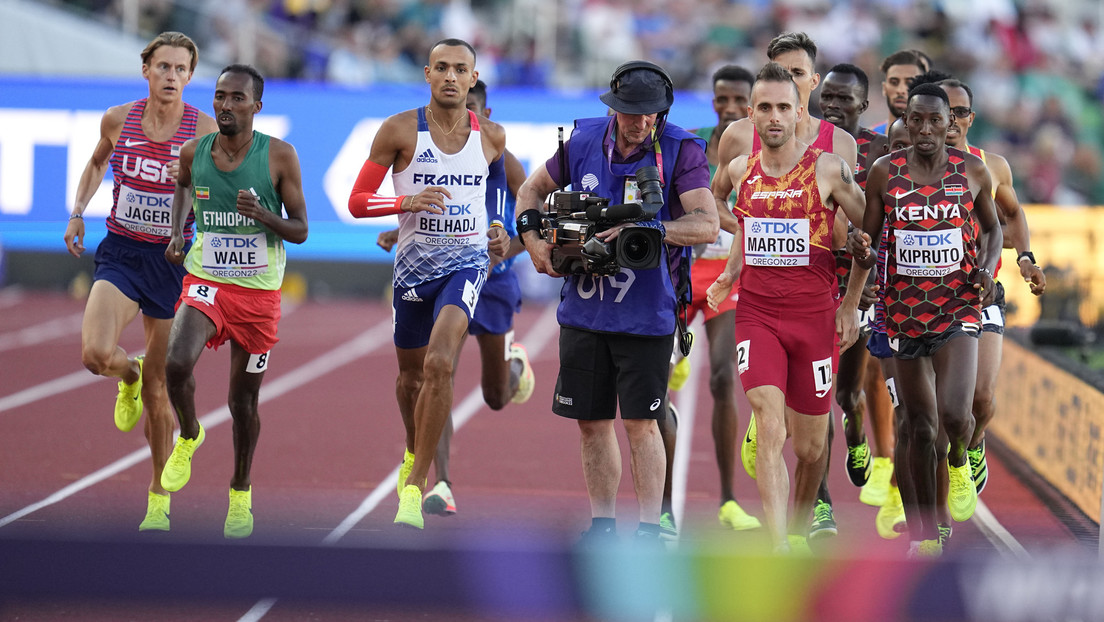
pixel 962 497
pixel 178 468
pixel 239 518
pixel 824 521
pixel 128 404
pixel 157 513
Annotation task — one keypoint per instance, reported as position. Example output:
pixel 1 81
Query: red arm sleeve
pixel 364 202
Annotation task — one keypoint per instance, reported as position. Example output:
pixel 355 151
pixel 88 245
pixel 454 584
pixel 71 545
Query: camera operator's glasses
pixel 961 111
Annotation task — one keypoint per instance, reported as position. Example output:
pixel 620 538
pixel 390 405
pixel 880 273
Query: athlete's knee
pixel 97 359
pixel 437 365
pixel 243 405
pixel 177 371
pixel 809 449
pixel 722 384
pixel 408 384
pixel 921 433
pixel 770 433
pixel 984 401
pixel 849 398
pixel 496 397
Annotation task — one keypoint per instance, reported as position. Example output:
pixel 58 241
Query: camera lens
pixel 639 247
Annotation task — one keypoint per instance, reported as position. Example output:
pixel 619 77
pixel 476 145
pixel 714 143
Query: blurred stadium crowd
pixel 1036 66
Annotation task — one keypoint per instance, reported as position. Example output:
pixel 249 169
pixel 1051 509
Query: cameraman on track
pixel 616 331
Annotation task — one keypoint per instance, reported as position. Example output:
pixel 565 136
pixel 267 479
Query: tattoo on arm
pixel 844 173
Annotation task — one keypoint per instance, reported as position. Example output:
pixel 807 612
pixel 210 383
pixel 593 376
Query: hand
pixel 249 205
pixel 387 239
pixel 540 252
pixel 74 236
pixel 985 285
pixel 868 297
pixel 431 200
pixel 858 245
pixel 1034 276
pixel 173 169
pixel 609 235
pixel 174 252
pixel 847 326
pixel 499 241
pixel 719 290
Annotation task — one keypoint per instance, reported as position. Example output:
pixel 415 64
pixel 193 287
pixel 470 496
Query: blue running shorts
pixel 141 272
pixel 416 308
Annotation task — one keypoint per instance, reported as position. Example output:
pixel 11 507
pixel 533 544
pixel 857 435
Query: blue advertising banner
pixel 49 126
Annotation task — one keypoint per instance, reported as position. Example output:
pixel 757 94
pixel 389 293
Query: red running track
pixel 330 443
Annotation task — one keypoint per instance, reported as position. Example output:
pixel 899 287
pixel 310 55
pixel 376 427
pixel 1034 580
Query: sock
pixel 603 525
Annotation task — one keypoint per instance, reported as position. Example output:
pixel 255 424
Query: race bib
pixel 458 226
pixel 992 316
pixel 202 292
pixel 776 242
pixel 144 212
pixel 231 255
pixel 742 351
pixel 928 253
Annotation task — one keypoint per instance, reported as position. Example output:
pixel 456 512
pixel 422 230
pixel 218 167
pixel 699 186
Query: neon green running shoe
pixel 979 466
pixel 526 381
pixel 410 508
pixel 749 447
pixel 890 521
pixel 157 513
pixel 925 549
pixel 824 521
pixel 876 490
pixel 679 375
pixel 945 533
pixel 962 497
pixel 128 404
pixel 858 460
pixel 733 516
pixel 667 529
pixel 239 518
pixel 178 468
pixel 404 471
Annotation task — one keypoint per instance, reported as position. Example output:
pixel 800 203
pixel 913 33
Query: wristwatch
pixel 1028 254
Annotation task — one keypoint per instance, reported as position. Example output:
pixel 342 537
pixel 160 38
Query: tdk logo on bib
pixel 427 157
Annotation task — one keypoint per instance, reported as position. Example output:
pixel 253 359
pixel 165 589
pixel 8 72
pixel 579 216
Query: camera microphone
pixel 624 211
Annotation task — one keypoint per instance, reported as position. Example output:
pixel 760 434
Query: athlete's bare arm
pixel 719 290
pixel 735 141
pixel 837 184
pixel 288 180
pixel 531 195
pixel 859 243
pixel 111 126
pixel 182 203
pixel 843 145
pixel 1015 229
pixel 393 147
pixel 990 238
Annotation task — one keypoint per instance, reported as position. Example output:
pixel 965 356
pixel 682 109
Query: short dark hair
pixel 733 73
pixel 480 92
pixel 903 57
pixel 859 74
pixel 922 55
pixel 955 82
pixel 773 72
pixel 251 71
pixel 790 41
pixel 929 89
pixel 933 76
pixel 453 43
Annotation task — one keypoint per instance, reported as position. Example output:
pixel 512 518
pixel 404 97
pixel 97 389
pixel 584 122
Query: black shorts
pixel 992 317
pixel 908 348
pixel 598 370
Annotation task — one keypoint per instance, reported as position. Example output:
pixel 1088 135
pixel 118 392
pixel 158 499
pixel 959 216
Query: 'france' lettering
pixel 431 179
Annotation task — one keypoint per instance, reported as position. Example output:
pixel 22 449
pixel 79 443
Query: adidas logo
pixel 427 157
pixel 410 296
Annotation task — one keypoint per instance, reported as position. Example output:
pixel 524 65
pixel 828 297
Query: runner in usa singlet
pixel 930 251
pixel 143 190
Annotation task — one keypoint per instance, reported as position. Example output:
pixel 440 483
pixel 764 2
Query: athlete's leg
pixel 915 379
pixel 879 408
pixel 955 367
pixel 500 380
pixel 773 480
pixel 408 385
pixel 106 314
pixel 849 391
pixel 668 435
pixel 245 387
pixel 155 397
pixel 721 333
pixel 434 402
pixel 808 433
pixel 601 457
pixel 990 346
pixel 191 330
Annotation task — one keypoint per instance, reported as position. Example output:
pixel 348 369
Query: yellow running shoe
pixel 128 404
pixel 749 447
pixel 410 508
pixel 667 529
pixel 733 516
pixel 526 380
pixel 962 497
pixel 799 546
pixel 439 500
pixel 890 520
pixel 239 518
pixel 876 490
pixel 157 513
pixel 925 549
pixel 404 471
pixel 178 468
pixel 679 374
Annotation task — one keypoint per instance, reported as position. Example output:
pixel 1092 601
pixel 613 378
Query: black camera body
pixel 575 218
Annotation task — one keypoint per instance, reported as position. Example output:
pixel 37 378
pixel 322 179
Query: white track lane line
pixel 40 333
pixel 344 354
pixel 544 329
